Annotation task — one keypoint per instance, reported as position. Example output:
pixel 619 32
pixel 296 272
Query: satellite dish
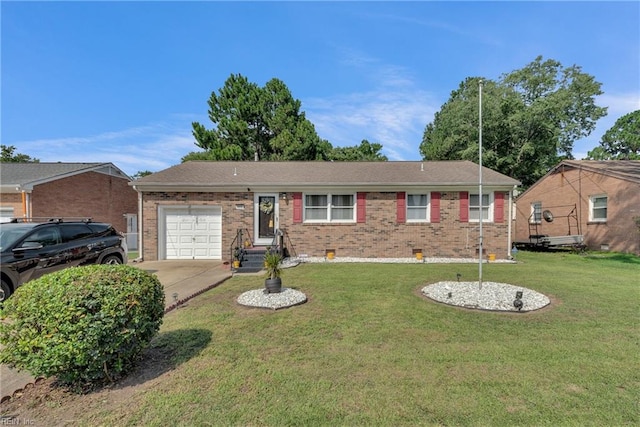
pixel 547 215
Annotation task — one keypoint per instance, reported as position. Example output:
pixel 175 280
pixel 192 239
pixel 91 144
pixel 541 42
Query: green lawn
pixel 367 349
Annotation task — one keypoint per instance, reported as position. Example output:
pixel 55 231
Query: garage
pixel 191 232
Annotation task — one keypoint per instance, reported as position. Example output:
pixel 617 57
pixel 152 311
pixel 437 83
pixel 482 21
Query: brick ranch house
pixel 358 209
pixel 99 191
pixel 599 200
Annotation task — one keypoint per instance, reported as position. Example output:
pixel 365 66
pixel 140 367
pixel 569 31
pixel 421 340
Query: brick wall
pixel 380 236
pixel 13 200
pixel 93 195
pixel 560 191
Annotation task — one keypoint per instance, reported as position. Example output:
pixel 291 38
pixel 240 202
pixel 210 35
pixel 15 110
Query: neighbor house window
pixel 417 207
pixel 536 212
pixel 6 213
pixel 474 208
pixel 329 208
pixel 598 208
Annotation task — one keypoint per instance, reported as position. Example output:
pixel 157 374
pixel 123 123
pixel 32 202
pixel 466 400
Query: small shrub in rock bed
pixel 83 325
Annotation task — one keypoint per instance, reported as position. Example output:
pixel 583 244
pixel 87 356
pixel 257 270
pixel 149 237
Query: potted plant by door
pixel 236 257
pixel 273 282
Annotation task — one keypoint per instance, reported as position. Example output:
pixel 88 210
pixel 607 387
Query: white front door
pixel 265 218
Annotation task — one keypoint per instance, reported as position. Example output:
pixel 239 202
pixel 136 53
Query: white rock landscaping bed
pixel 492 296
pixel 259 298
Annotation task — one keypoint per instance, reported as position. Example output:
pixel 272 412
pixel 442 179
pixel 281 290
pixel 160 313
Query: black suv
pixel 29 250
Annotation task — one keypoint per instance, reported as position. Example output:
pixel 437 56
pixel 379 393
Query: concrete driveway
pixel 181 279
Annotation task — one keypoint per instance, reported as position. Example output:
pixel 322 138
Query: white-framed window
pixel 418 207
pixel 487 207
pixel 6 213
pixel 536 212
pixel 598 208
pixel 330 207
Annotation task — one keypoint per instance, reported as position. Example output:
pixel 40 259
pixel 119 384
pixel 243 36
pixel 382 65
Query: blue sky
pixel 122 82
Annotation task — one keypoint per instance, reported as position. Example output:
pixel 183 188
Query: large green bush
pixel 83 325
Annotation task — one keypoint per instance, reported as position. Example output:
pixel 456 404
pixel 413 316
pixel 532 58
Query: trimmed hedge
pixel 83 324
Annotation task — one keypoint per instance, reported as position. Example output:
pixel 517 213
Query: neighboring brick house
pixel 359 209
pixel 597 199
pixel 99 191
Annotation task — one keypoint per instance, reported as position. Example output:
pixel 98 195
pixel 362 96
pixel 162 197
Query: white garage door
pixel 193 234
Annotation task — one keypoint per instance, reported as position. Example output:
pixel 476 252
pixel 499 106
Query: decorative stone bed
pixel 491 296
pixel 259 298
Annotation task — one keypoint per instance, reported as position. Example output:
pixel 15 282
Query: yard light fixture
pixel 518 301
pixel 458 275
pixel 175 297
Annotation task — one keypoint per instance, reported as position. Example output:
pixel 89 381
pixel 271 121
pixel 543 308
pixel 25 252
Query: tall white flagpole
pixel 480 252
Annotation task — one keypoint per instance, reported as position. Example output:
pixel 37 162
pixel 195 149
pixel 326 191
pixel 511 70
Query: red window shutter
pixel 498 207
pixel 435 206
pixel 401 207
pixel 362 207
pixel 297 208
pixel 464 206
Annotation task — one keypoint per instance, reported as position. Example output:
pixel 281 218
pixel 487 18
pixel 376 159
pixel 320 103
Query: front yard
pixel 368 349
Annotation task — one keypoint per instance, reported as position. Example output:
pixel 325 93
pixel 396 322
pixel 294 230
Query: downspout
pixel 24 204
pixel 510 222
pixel 580 200
pixel 140 240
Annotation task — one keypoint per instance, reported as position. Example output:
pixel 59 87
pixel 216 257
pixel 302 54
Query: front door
pixel 265 218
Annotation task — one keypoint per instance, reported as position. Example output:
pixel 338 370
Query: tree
pixel 531 118
pixel 621 142
pixel 141 174
pixel 253 122
pixel 8 156
pixel 366 151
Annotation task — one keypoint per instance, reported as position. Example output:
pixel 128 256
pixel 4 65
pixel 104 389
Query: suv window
pixel 105 229
pixel 46 236
pixel 10 234
pixel 72 232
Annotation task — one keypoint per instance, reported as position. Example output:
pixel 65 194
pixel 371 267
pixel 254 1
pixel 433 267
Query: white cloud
pixel 393 113
pixel 395 119
pixel 620 104
pixel 151 147
pixel 617 105
pixel 442 26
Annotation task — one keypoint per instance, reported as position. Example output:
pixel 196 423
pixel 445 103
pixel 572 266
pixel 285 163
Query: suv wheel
pixel 112 259
pixel 5 291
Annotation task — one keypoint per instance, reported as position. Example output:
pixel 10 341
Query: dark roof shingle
pixel 628 170
pixel 12 174
pixel 300 174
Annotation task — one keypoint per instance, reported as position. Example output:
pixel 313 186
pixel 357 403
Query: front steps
pixel 251 260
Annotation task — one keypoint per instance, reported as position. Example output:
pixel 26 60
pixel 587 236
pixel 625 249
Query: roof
pixel 27 175
pixel 236 176
pixel 628 170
